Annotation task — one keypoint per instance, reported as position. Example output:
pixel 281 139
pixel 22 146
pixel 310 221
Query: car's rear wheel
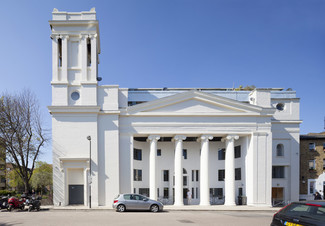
pixel 120 208
pixel 154 208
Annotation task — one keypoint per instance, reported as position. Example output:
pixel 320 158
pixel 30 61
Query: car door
pixel 130 202
pixel 142 202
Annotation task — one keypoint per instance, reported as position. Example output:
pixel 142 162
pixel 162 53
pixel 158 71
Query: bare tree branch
pixel 21 132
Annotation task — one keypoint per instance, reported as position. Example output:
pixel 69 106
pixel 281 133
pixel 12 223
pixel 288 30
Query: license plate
pixel 291 224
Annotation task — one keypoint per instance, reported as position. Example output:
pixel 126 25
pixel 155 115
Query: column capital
pixel 83 36
pixel 92 36
pixel 153 138
pixel 64 37
pixel 179 137
pixel 205 138
pixel 230 137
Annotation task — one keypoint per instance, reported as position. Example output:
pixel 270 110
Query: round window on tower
pixel 280 106
pixel 75 95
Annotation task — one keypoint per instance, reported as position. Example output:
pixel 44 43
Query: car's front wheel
pixel 154 208
pixel 120 208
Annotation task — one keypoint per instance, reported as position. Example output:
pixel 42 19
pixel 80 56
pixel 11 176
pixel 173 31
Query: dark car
pixel 311 213
pixel 125 202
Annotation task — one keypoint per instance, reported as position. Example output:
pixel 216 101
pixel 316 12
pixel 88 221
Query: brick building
pixel 312 165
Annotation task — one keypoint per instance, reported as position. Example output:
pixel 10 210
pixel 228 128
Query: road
pixel 110 217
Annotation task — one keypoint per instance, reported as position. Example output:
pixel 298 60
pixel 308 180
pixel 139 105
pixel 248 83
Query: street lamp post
pixel 89 179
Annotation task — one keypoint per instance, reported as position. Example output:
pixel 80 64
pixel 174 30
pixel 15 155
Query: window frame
pixel 137 154
pixel 137 174
pixel 278 172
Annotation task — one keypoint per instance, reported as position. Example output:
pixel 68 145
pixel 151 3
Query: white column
pixel 64 72
pixel 83 44
pixel 230 170
pixel 93 73
pixel 178 170
pixel 204 170
pixel 152 166
pixel 55 58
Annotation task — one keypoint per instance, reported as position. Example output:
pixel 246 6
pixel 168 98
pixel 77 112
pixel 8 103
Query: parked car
pixel 311 213
pixel 125 202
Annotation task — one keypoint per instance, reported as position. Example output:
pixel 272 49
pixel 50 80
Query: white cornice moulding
pixel 74 109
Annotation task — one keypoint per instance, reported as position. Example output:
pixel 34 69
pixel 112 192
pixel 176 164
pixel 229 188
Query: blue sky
pixel 178 43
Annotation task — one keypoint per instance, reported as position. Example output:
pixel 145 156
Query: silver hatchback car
pixel 125 202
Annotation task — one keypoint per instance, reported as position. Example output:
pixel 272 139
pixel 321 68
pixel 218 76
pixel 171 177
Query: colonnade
pixel 204 169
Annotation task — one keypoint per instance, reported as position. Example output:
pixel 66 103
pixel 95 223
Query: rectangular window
pixel 166 193
pixel 184 180
pixel 137 154
pixel 312 165
pixel 312 147
pixel 278 172
pixel 185 153
pixel 216 192
pixel 238 174
pixel 324 146
pixel 158 152
pixel 144 191
pixel 221 154
pixel 312 187
pixel 323 164
pixel 166 175
pixel 137 175
pixel 238 151
pixel 193 193
pixel 195 175
pixel 197 193
pixel 221 175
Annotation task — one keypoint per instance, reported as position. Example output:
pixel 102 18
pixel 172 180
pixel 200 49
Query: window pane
pixel 166 175
pixel 238 174
pixel 311 146
pixel 238 151
pixel 166 193
pixel 278 172
pixel 221 175
pixel 221 154
pixel 185 153
pixel 279 150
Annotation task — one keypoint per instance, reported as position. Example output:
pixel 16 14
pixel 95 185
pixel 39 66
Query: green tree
pixel 21 132
pixel 14 180
pixel 42 176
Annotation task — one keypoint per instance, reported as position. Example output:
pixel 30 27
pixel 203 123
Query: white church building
pixel 225 146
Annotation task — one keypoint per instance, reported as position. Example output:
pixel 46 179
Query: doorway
pixel 277 195
pixel 76 194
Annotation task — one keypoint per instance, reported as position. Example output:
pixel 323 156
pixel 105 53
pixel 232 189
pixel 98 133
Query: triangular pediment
pixel 194 103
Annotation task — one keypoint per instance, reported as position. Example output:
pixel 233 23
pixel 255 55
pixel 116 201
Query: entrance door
pixel 76 194
pixel 277 195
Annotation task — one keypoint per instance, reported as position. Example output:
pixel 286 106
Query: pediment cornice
pixel 231 107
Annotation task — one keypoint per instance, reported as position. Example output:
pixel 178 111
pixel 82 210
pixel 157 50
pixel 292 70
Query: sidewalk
pixel 174 208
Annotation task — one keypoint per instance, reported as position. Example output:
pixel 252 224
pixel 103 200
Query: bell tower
pixel 75 50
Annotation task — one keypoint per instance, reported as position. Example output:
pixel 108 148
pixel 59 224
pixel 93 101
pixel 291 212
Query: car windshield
pixel 305 211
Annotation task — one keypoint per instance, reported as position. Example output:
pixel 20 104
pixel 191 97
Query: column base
pixel 230 204
pixel 178 204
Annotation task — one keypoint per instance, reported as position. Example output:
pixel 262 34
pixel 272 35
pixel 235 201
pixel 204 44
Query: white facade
pixel 163 141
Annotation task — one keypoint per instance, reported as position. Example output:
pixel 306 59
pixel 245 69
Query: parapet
pixel 84 15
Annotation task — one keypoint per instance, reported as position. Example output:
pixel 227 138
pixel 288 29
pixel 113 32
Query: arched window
pixel 279 150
